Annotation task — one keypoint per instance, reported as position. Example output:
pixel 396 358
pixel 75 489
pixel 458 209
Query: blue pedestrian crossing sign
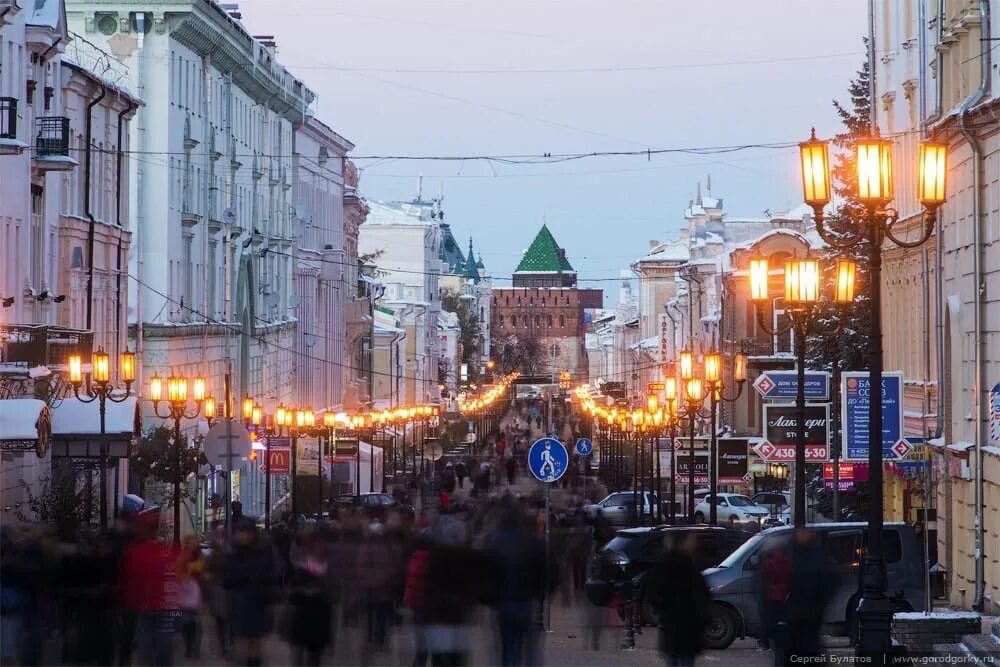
pixel 548 459
pixel 584 446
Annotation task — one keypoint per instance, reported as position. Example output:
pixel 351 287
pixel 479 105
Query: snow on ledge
pixel 937 615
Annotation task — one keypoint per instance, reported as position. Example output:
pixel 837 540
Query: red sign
pixel 280 463
pixel 786 453
pixel 846 471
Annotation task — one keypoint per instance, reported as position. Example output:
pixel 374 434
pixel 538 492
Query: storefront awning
pixel 25 425
pixel 74 417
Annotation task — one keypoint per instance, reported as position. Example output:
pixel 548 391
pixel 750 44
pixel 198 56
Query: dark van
pixel 735 587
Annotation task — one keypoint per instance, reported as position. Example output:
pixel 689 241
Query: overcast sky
pixel 627 75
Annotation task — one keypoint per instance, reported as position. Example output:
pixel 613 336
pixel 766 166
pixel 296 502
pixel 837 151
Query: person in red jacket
pixel 774 585
pixel 413 596
pixel 148 579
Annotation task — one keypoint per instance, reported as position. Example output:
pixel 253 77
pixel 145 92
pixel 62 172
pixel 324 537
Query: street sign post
pixel 584 446
pixel 855 402
pixel 547 461
pixel 783 385
pixel 215 443
pixel 781 428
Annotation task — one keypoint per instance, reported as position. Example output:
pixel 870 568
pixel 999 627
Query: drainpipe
pixel 980 287
pixel 938 65
pixel 130 108
pixel 86 206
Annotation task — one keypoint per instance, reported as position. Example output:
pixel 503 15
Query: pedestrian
pixel 308 619
pixel 511 465
pixel 413 596
pixel 681 600
pixel 148 571
pixel 218 602
pixel 813 583
pixel 451 590
pixel 774 581
pixel 190 575
pixel 460 474
pixel 251 580
pixel 379 563
pixel 517 584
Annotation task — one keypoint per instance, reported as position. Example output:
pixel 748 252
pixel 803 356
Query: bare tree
pixel 519 353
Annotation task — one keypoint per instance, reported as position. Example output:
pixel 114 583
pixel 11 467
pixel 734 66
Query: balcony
pixel 52 144
pixel 766 354
pixel 9 145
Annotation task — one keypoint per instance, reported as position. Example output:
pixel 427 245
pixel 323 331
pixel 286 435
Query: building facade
pixel 322 282
pixel 937 78
pixel 542 319
pixel 212 199
pixel 65 234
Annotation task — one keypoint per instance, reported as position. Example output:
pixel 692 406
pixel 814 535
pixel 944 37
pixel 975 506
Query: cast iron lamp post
pixel 874 192
pixel 691 408
pixel 177 409
pixel 714 385
pixel 803 307
pixel 99 388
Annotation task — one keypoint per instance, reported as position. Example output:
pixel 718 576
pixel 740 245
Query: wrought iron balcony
pixel 52 144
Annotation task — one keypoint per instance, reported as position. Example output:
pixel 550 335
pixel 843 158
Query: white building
pixel 325 271
pixel 402 239
pixel 65 108
pixel 450 345
pixel 212 203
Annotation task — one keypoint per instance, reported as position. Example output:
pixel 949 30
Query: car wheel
pixel 699 517
pixel 722 628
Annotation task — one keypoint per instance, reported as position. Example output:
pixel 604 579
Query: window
pixel 37 256
pixel 500 320
pixel 844 548
pixel 549 319
pixel 513 321
pixel 562 320
pixel 538 321
pixel 780 320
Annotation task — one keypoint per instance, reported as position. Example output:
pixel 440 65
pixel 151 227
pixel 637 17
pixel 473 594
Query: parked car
pixel 776 501
pixel 374 502
pixel 733 509
pixel 619 507
pixel 627 559
pixel 735 587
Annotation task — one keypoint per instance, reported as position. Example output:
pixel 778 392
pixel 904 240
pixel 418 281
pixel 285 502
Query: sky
pixel 529 77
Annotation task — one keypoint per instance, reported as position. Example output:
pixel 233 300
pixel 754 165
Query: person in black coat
pixel 682 602
pixel 813 584
pixel 250 578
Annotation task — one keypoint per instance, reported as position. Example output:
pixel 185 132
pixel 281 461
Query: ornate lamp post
pixel 802 306
pixel 713 383
pixel 695 393
pixel 874 192
pixel 99 388
pixel 177 409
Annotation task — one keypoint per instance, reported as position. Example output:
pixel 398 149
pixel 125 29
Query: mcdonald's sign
pixel 279 463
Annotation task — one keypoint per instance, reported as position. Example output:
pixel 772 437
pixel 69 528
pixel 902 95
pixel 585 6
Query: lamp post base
pixel 874 628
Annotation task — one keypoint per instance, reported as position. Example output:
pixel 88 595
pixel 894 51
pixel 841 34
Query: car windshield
pixel 619 543
pixel 740 501
pixel 748 547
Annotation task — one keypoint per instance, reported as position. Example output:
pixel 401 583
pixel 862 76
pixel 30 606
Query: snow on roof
pixel 712 237
pixel 646 343
pixel 673 251
pixel 18 418
pixel 78 417
pixel 392 213
pixel 694 210
pixel 961 446
pixel 993 451
pixel 47 13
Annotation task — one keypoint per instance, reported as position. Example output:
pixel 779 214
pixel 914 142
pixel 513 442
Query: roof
pixel 544 255
pixel 451 253
pixel 674 251
pixel 47 14
pixel 78 417
pixel 471 271
pixel 396 213
pixel 19 418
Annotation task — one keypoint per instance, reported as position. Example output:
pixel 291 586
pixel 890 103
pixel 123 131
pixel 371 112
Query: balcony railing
pixel 8 118
pixel 42 345
pixel 52 138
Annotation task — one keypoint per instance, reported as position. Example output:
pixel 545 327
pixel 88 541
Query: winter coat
pixel 682 602
pixel 251 580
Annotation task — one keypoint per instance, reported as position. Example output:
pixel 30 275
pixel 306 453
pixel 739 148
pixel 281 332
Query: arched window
pixel 538 321
pixel 562 320
pixel 550 321
pixel 513 321
pixel 501 320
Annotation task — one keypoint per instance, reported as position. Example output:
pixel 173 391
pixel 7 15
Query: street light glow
pixel 801 281
pixel 931 174
pixel 815 157
pixel 874 171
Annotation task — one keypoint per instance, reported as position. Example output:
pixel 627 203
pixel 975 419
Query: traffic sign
pixel 855 399
pixel 548 459
pixel 214 444
pixel 584 446
pixel 784 385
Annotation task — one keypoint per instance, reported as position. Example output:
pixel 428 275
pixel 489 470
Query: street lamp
pixel 177 409
pixel 689 407
pixel 804 309
pixel 714 385
pixel 874 192
pixel 99 388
